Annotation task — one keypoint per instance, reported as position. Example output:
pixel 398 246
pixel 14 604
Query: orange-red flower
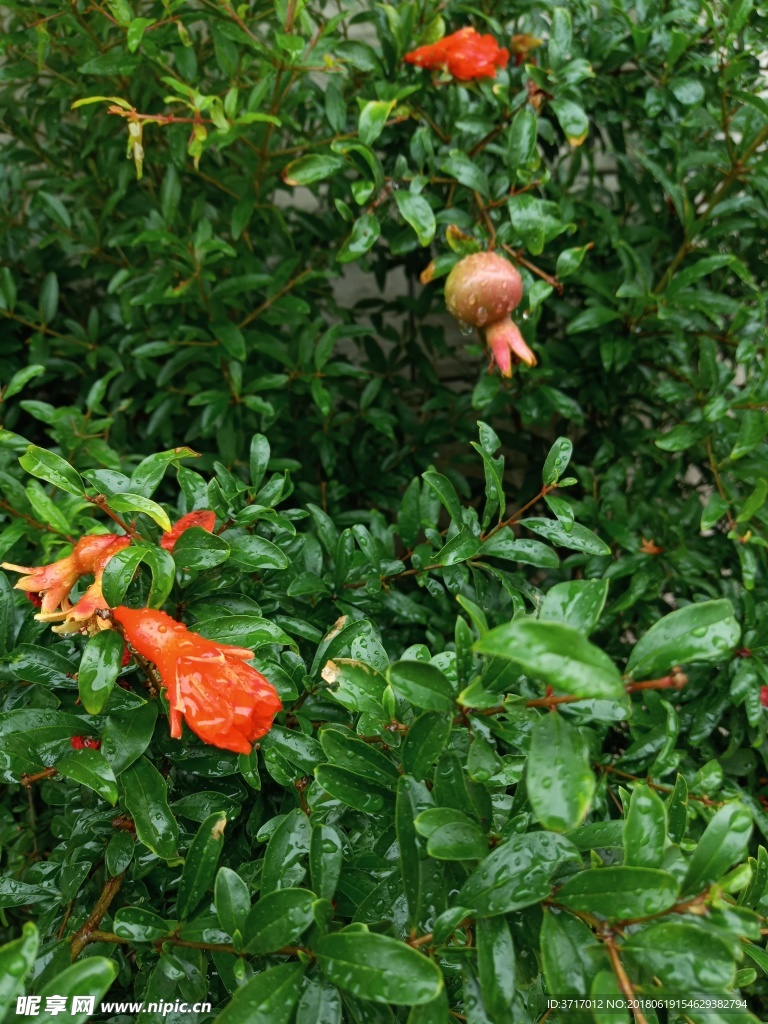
pixel 204 518
pixel 53 583
pixel 224 701
pixel 465 55
pixel 84 743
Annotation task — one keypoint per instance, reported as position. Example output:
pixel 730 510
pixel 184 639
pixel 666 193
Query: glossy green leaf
pixel 130 503
pixel 200 864
pixel 575 603
pixel 378 968
pixel 724 842
pixel 90 768
pixel 99 669
pixel 422 684
pixel 145 796
pixel 91 976
pixel 278 919
pixel 559 778
pixel 17 958
pixel 267 998
pixel 645 829
pixel 699 632
pixel 556 654
pixel 516 874
pixel 616 893
pixel 50 467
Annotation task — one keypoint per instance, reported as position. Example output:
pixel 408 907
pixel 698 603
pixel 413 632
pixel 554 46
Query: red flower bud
pixel 481 292
pixel 764 696
pixel 84 742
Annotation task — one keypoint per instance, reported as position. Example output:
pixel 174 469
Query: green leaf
pixel 259 459
pixel 52 468
pixel 557 655
pixel 451 834
pixel 378 968
pixel 616 893
pixel 252 553
pixel 345 750
pixel 268 998
pixel 645 830
pixel 119 853
pixel 516 874
pixel 424 742
pixel 352 789
pixel 355 685
pixel 196 549
pixel 243 631
pixel 373 118
pixel 422 685
pixel 722 845
pixel 320 1003
pixel 99 669
pixel 309 169
pixel 145 797
pixel 325 860
pixel 579 538
pixel 49 297
pixel 557 461
pixel 232 899
pixel 446 492
pixel 127 502
pixel 573 120
pixel 559 778
pixel 496 965
pixel 140 925
pixel 163 569
pixel 200 864
pixel 17 958
pixel 91 976
pixel 569 951
pixel 20 894
pixel 684 957
pixel 527 552
pixel 126 736
pixel 466 172
pixel 752 430
pixel 90 768
pixel 706 632
pixel 417 212
pixel 20 379
pixel 575 603
pixel 365 233
pixel 119 572
pixel 278 919
pixel 231 339
pixel 569 260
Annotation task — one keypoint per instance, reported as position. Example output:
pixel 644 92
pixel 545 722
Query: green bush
pixel 522 751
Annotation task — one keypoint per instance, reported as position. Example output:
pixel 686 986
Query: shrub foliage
pixel 517 625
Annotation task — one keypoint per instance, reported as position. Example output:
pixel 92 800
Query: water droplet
pixel 482 315
pixel 699 631
pixel 472 299
pixel 162 629
pixel 466 329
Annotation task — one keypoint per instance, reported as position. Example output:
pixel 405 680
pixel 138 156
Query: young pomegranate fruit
pixel 481 291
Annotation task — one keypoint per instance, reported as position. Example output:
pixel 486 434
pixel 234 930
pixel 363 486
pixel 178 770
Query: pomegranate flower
pixel 481 291
pixel 53 583
pixel 204 518
pixel 465 55
pixel 84 743
pixel 224 701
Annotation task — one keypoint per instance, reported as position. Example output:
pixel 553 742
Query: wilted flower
pixel 54 582
pixel 204 518
pixel 224 701
pixel 464 54
pixel 481 291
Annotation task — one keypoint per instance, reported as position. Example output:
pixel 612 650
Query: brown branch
pixel 84 934
pixel 27 781
pixel 623 979
pixel 7 507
